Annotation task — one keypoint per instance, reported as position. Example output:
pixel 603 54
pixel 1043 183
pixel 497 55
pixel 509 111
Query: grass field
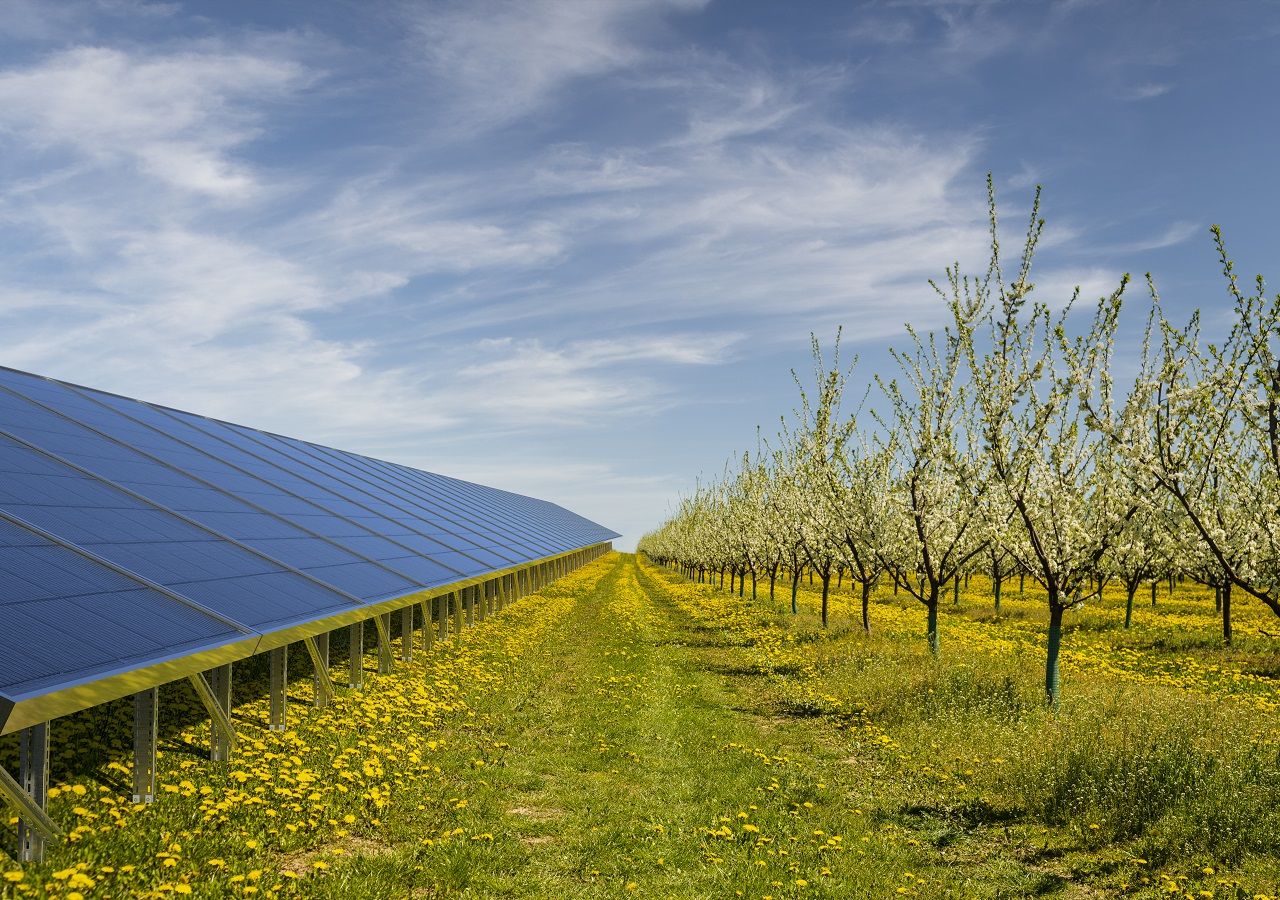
pixel 627 733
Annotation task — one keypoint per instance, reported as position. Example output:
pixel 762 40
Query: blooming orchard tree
pixel 1000 531
pixel 932 530
pixel 752 523
pixel 787 504
pixel 861 495
pixel 1215 437
pixel 812 448
pixel 1037 392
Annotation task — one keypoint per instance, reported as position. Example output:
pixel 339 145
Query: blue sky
pixel 573 249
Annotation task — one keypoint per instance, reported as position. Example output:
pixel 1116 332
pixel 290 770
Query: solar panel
pixel 134 538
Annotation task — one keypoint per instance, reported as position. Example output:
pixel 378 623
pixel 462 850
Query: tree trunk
pixel 996 583
pixel 1217 598
pixel 773 579
pixel 826 593
pixel 896 584
pixel 742 584
pixel 1153 591
pixel 753 585
pixel 1022 582
pixel 955 599
pixel 795 586
pixel 866 606
pixel 1131 588
pixel 839 579
pixel 1226 611
pixel 811 578
pixel 934 644
pixel 1052 683
pixel 722 579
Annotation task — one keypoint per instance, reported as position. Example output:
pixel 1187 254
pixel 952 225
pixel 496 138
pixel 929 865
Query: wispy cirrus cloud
pixel 494 61
pixel 1146 91
pixel 173 117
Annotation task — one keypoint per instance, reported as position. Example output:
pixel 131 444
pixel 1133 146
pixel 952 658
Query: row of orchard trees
pixel 1001 444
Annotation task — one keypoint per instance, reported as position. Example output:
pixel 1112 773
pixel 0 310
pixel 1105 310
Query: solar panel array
pixel 132 534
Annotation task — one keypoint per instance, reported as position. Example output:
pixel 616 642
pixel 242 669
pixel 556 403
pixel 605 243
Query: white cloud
pixel 174 117
pixel 499 60
pixel 1146 91
pixel 1176 233
pixel 524 381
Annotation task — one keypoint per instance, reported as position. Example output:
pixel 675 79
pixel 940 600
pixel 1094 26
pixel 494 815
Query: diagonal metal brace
pixel 386 659
pixel 30 812
pixel 323 682
pixel 221 720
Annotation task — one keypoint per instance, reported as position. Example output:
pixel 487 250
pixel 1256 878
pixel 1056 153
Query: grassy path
pixel 634 759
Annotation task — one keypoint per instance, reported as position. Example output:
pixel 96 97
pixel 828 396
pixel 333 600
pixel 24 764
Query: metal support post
pixel 406 633
pixel 482 608
pixel 220 684
pixel 457 613
pixel 31 815
pixel 356 678
pixel 33 770
pixel 279 686
pixel 215 693
pixel 442 607
pixel 320 663
pixel 469 603
pixel 386 656
pixel 428 631
pixel 146 731
pixel 322 683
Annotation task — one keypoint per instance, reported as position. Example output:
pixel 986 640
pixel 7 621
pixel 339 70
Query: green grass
pixel 652 738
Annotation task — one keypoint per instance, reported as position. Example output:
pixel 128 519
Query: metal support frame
pixel 31 815
pixel 482 607
pixel 215 694
pixel 469 603
pixel 146 732
pixel 428 629
pixel 443 603
pixel 35 828
pixel 457 613
pixel 406 634
pixel 386 657
pixel 355 680
pixel 320 682
pixel 279 718
pixel 320 663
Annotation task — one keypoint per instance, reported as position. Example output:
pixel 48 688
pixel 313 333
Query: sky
pixel 575 249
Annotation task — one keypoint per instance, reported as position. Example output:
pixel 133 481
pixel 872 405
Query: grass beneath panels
pixel 628 734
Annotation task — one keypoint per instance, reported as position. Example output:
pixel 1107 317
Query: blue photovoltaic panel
pixel 133 534
pixel 376 509
pixel 444 523
pixel 45 587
